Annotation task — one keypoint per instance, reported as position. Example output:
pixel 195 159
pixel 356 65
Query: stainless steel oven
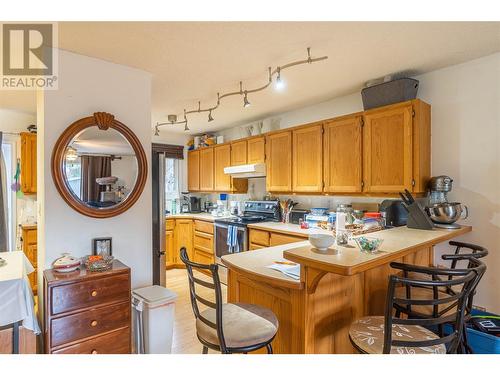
pixel 222 248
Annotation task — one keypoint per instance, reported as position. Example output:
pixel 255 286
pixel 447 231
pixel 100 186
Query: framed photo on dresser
pixel 102 246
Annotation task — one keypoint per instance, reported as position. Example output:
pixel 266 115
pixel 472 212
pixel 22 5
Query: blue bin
pixel 480 342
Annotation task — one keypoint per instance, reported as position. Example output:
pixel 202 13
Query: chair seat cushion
pixel 244 325
pixel 367 334
pixel 425 294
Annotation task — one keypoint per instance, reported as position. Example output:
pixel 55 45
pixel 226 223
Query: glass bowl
pixel 368 244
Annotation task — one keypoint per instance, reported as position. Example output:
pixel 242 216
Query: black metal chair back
pixel 196 299
pixel 464 251
pixel 462 281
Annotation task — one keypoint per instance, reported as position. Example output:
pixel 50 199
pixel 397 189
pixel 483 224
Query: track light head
pixel 210 118
pixel 279 85
pixel 186 127
pixel 157 131
pixel 246 103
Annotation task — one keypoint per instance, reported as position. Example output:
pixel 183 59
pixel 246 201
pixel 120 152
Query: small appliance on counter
pixel 296 214
pixel 194 204
pixel 393 213
pixel 442 212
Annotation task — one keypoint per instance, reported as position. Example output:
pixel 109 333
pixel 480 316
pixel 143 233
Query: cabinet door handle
pixel 93 351
pixel 94 293
pixel 93 323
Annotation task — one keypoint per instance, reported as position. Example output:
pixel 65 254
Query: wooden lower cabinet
pixel 88 313
pixel 283 239
pixel 203 242
pixel 260 238
pixel 170 253
pixel 196 235
pixel 30 249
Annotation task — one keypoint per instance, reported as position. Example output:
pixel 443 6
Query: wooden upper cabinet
pixel 222 159
pixel 279 161
pixel 256 150
pixel 388 149
pixel 342 160
pixel 307 162
pixel 28 163
pixel 193 161
pixel 207 169
pixel 239 152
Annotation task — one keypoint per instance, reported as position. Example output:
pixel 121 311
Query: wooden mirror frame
pixel 104 121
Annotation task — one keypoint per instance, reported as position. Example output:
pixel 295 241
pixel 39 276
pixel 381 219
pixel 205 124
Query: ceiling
pixel 95 141
pixel 192 61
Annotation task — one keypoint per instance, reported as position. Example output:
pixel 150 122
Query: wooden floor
pixel 185 340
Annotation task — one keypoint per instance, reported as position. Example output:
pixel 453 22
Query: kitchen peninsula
pixel 334 289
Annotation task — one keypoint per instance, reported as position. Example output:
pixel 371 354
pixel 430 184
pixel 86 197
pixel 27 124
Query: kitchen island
pixel 335 287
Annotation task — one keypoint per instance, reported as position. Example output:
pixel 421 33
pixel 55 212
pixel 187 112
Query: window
pixel 172 182
pixel 74 175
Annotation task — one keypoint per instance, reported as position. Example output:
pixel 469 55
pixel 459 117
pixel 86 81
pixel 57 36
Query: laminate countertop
pixel 288 228
pixel 342 260
pixel 195 216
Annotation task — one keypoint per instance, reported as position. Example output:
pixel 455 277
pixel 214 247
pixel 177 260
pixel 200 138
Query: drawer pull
pixel 93 323
pixel 94 293
pixel 93 351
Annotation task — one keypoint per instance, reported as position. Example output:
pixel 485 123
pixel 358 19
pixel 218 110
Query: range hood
pixel 247 170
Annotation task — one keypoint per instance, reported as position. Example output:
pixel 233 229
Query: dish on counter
pixel 321 241
pixel 319 211
pixel 368 244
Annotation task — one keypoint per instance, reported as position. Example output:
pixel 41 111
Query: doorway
pixel 166 179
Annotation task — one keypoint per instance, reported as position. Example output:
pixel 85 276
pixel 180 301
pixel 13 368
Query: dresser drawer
pixel 90 293
pixel 89 323
pixel 117 342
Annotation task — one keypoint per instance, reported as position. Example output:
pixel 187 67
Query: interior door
pixel 158 201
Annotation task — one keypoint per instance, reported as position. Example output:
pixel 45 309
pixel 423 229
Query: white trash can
pixel 153 311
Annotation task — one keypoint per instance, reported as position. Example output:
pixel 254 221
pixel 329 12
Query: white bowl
pixel 321 241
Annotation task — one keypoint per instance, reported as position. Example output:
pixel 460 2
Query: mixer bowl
pixel 447 213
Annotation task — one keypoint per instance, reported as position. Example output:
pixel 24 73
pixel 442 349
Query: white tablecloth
pixel 16 296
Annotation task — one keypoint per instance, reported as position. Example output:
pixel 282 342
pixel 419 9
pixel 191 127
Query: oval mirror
pixel 99 166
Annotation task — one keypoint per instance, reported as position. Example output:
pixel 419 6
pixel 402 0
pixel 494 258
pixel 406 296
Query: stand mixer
pixel 444 213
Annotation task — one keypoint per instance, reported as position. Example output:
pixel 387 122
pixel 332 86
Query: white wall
pixel 465 103
pixel 88 85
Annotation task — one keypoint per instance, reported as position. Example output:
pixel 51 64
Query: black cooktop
pixel 242 220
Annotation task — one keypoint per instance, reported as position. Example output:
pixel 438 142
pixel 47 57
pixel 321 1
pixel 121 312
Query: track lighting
pixel 71 154
pixel 157 131
pixel 246 103
pixel 279 85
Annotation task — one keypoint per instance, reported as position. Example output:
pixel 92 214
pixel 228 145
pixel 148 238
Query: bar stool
pixel 392 334
pixel 228 327
pixel 461 254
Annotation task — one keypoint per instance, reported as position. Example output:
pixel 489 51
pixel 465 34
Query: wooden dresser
pixel 88 312
pixel 30 249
